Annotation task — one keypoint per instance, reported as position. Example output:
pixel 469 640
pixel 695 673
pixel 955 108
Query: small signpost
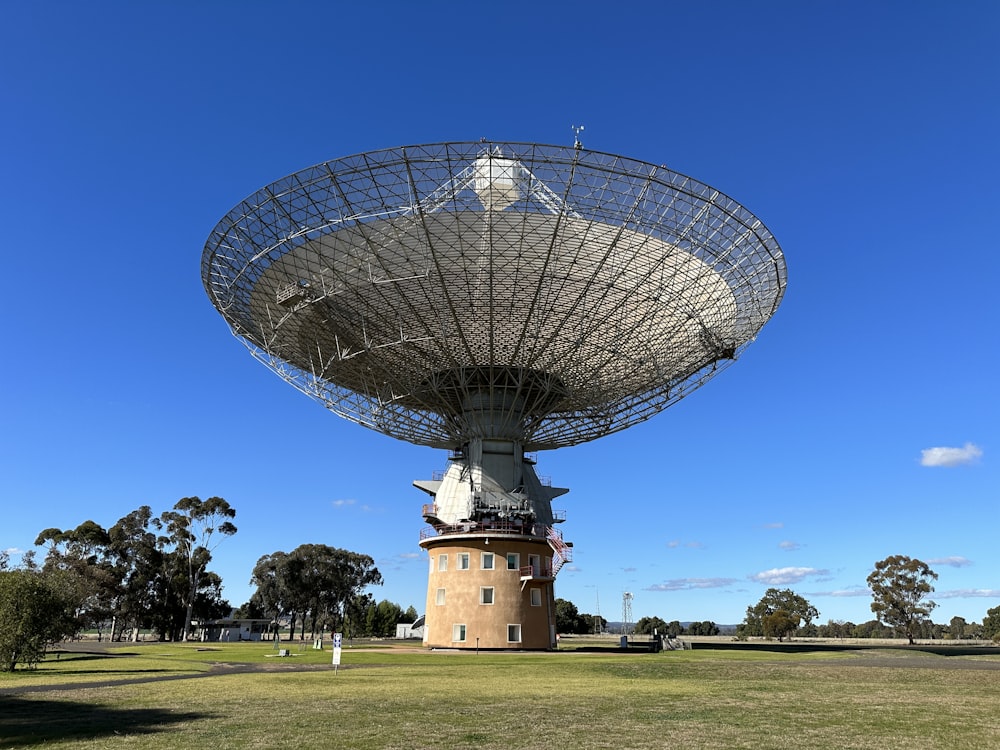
pixel 337 638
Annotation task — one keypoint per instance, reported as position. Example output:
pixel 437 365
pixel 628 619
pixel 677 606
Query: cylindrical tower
pixel 494 551
pixel 489 589
pixel 493 299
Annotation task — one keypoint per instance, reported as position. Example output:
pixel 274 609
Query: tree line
pixel 900 587
pixel 151 573
pixel 323 588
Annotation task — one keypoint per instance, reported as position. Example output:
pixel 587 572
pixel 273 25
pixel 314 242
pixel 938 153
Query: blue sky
pixel 864 422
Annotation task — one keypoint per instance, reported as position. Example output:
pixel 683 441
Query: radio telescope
pixel 494 300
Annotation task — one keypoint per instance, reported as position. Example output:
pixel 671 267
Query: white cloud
pixel 790 546
pixel 689 584
pixel 847 592
pixel 784 576
pixel 776 525
pixel 342 503
pixel 968 593
pixel 955 561
pixel 967 454
pixel 675 543
pixel 410 555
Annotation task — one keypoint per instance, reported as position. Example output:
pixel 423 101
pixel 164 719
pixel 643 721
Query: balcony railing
pixel 529 572
pixel 507 527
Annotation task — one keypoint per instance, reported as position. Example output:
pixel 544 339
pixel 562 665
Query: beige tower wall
pixel 490 602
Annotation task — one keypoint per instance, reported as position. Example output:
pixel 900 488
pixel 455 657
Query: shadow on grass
pixel 26 722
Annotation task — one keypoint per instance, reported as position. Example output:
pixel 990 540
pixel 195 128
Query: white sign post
pixel 337 638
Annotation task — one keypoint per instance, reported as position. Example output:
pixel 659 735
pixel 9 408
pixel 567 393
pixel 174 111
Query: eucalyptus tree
pixel 775 600
pixel 780 624
pixel 138 562
pixel 80 557
pixel 271 597
pixel 900 586
pixel 313 581
pixel 991 624
pixel 194 528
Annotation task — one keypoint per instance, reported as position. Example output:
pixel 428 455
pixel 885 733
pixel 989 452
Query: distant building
pixel 414 630
pixel 235 629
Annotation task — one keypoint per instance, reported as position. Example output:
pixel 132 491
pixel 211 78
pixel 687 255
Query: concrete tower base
pixel 489 589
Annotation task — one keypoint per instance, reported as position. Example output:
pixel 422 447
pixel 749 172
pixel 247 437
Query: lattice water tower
pixel 493 300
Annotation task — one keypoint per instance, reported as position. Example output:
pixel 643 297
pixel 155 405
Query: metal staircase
pixel 562 551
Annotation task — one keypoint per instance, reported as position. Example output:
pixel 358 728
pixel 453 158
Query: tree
pixel 773 601
pixel 35 611
pixel 80 556
pixel 317 582
pixel 956 628
pixel 871 629
pixel 594 624
pixel 707 627
pixel 138 564
pixel 191 527
pixel 899 586
pixel 991 624
pixel 568 618
pixel 649 625
pixel 780 624
pixel 837 629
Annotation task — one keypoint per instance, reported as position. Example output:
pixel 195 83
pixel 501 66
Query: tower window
pixel 458 632
pixel 439 599
pixel 486 595
pixel 463 560
pixel 536 597
pixel 513 561
pixel 442 563
pixel 514 633
pixel 487 561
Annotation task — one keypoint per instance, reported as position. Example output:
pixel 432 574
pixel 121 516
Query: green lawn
pixel 396 698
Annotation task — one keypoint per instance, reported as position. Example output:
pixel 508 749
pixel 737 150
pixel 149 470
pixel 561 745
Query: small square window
pixel 536 597
pixel 463 560
pixel 458 633
pixel 442 563
pixel 513 633
pixel 513 561
pixel 439 599
pixel 486 595
pixel 487 561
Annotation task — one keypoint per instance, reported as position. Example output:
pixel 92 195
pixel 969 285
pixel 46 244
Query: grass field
pixel 242 696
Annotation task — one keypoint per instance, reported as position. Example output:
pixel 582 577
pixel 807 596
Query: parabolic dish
pixel 544 294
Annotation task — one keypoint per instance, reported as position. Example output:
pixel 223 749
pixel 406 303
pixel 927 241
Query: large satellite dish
pixel 493 299
pixel 542 293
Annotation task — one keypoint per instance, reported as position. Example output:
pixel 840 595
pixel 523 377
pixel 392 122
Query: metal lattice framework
pixel 542 294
